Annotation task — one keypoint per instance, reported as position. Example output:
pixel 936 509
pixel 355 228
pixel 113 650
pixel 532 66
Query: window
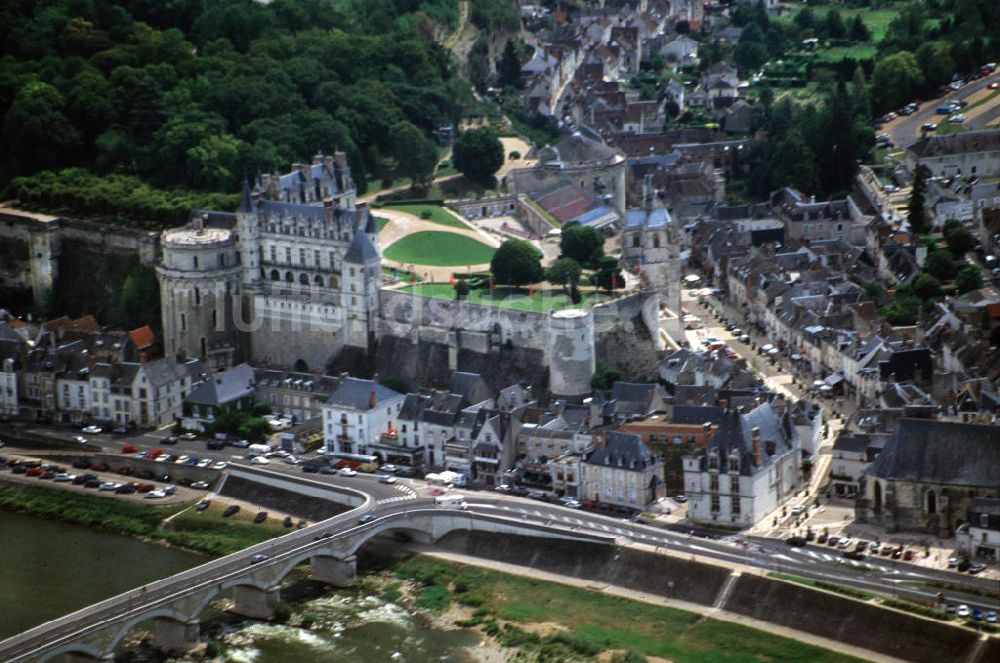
pixel 302 256
pixel 288 255
pixel 713 483
pixel 222 260
pixel 736 507
pixel 215 319
pixel 183 322
pixel 984 520
pixel 274 254
pixel 715 503
pixel 316 257
pixel 197 296
pixel 195 261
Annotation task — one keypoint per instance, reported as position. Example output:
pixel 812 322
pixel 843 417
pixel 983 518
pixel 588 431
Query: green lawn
pixel 381 222
pixel 441 249
pixel 876 20
pixel 438 214
pixel 837 53
pixel 541 300
pixel 594 622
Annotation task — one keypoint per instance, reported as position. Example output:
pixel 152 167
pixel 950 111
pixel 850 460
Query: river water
pixel 48 569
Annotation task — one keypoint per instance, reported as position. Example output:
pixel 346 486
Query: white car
pixel 63 476
pixel 183 458
pixel 93 430
pixel 259 460
pixel 347 472
pixel 291 460
pixel 155 494
pixel 385 478
pixel 963 611
pixel 797 509
pixel 221 465
pixel 109 486
pixel 80 438
pixel 205 462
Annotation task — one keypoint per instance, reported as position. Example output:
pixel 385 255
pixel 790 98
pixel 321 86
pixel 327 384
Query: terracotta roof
pixel 143 337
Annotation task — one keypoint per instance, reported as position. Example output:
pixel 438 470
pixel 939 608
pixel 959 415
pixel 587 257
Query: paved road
pixel 905 130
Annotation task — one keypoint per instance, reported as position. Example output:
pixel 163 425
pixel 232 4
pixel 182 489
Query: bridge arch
pixel 158 613
pixel 215 591
pixel 73 648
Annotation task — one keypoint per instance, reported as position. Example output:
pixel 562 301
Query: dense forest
pixel 190 96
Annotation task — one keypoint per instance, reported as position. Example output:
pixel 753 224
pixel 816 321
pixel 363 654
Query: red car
pixel 154 453
pixel 129 449
pixel 908 556
pixel 35 472
pixel 994 85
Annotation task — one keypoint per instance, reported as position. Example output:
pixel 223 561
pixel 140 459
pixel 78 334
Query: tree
pixel 969 278
pixel 960 240
pixel 564 272
pixel 36 131
pixel 941 265
pixel 509 67
pixel 834 26
pixel 517 262
pixel 750 53
pixel 859 31
pixel 583 244
pixel 416 156
pixel 609 275
pixel 604 376
pixel 478 153
pixel 141 298
pixel 926 287
pixel 895 80
pixel 916 212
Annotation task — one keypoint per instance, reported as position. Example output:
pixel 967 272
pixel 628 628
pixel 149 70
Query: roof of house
pixel 623 450
pixel 960 143
pixel 356 394
pixel 224 387
pixel 941 452
pixel 143 337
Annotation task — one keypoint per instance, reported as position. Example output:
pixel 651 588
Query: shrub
pixel 308 619
pixel 281 613
pixel 426 214
pixel 434 597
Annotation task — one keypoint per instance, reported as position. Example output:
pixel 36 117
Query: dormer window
pixel 713 461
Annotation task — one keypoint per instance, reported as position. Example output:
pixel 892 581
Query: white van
pixel 257 450
pixel 451 502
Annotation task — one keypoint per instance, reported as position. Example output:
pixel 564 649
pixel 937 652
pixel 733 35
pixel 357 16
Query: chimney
pixel 360 210
pixel 372 400
pixel 755 432
pixel 706 427
pixel 328 209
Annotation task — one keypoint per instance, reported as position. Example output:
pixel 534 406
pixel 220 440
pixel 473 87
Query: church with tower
pixel 291 278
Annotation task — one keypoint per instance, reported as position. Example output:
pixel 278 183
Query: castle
pixel 289 279
pixel 293 279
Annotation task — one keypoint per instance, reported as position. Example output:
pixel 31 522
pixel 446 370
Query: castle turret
pixel 359 295
pixel 199 278
pixel 571 352
pixel 249 232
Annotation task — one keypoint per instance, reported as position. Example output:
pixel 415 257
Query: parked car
pixel 928 126
pixel 240 444
pixel 110 485
pixel 63 476
pixel 129 449
pixel 79 439
pixel 259 460
pixel 200 485
pixel 991 616
pixel 125 489
pixel 120 430
pixel 205 462
pixel 81 463
pixel 230 510
pixel 389 468
pixel 908 555
pixel 155 494
pixel 170 439
pixel 347 472
pixel 202 505
pixel 93 430
pixel 326 469
pixel 189 436
pixel 953 561
pixel 220 465
pixel 796 541
pixel 977 568
pixel 260 517
pixel 386 478
pixel 963 611
pixel 958 118
pixel 310 468
pixel 844 543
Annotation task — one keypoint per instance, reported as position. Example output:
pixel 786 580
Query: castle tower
pixel 570 350
pixel 248 231
pixel 199 279
pixel 362 274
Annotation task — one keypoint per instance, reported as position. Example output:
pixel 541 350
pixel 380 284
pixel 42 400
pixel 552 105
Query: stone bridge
pixel 175 604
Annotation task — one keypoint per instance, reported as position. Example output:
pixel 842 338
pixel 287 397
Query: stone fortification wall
pixel 655 574
pixel 862 624
pixel 34 243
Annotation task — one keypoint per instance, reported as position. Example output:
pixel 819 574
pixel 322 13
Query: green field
pixel 439 249
pixel 438 214
pixel 876 20
pixel 592 622
pixel 517 298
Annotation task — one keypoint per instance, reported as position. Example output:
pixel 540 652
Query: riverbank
pixel 205 532
pixel 545 620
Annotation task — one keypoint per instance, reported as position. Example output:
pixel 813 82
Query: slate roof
pixel 225 387
pixel 856 443
pixel 361 250
pixel 623 450
pixel 246 200
pixel 962 143
pixel 656 218
pixel 164 371
pixel 941 452
pixel 697 414
pixel 355 393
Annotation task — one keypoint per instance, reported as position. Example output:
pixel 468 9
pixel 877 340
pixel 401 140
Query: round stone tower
pixel 199 280
pixel 571 352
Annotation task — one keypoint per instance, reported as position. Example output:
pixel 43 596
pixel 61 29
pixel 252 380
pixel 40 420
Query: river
pixel 48 569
